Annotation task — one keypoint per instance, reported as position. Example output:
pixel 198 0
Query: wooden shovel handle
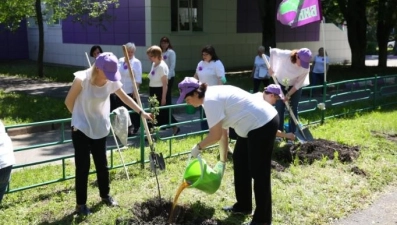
pixel 291 113
pixel 137 97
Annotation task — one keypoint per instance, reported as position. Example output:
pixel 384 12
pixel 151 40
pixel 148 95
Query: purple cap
pixel 305 56
pixel 188 84
pixel 275 89
pixel 108 63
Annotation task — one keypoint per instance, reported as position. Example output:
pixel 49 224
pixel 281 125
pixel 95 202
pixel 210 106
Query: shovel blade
pixel 156 161
pixel 303 135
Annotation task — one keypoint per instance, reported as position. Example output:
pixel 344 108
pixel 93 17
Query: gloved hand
pixel 195 151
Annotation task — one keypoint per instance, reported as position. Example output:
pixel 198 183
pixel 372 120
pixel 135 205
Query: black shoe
pixel 110 201
pixel 82 210
pixel 232 210
pixel 177 131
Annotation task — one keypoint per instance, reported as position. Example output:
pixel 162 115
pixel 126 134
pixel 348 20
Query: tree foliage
pixel 13 12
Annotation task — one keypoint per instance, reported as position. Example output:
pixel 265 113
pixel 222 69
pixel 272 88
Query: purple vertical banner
pixel 296 13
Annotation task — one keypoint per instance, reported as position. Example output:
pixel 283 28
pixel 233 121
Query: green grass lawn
pixel 303 194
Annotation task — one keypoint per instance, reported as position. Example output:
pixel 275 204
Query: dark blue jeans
pixel 252 161
pixel 5 175
pixel 293 102
pixel 83 146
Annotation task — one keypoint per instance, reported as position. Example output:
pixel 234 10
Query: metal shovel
pixel 302 133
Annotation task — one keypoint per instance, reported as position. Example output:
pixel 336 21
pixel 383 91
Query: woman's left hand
pixel 163 101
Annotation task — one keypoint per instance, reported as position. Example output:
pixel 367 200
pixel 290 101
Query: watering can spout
pixel 201 176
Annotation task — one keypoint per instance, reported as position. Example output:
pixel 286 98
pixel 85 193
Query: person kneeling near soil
pixel 255 122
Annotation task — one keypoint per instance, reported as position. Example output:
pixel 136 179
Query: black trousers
pixel 83 146
pixel 257 83
pixel 169 91
pixel 163 117
pixel 135 118
pixel 252 160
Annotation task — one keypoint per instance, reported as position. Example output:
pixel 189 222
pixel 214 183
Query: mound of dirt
pixel 155 212
pixel 317 150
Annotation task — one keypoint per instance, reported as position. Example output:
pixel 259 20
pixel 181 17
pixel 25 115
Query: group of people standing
pixel 252 116
pixel 255 121
pixel 107 85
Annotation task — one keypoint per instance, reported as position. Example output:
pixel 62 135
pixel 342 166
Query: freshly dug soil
pixel 317 150
pixel 154 212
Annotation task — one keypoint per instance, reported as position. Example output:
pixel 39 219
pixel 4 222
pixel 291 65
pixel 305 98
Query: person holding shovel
pixel 291 69
pixel 271 94
pixel 88 101
pixel 255 122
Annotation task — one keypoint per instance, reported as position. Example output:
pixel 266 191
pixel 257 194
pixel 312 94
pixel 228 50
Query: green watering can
pixel 200 175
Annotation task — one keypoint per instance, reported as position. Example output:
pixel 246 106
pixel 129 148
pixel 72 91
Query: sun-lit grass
pixel 302 194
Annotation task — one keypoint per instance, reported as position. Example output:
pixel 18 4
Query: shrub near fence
pixel 339 98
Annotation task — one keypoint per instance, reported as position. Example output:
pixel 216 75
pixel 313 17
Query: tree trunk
pixel 40 65
pixel 267 13
pixel 386 22
pixel 356 31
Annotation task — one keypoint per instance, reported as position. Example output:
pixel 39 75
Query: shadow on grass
pixel 73 218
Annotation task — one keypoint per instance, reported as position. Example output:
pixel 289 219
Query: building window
pixel 186 15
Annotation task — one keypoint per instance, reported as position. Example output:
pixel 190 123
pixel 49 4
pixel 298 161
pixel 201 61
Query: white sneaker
pixel 289 142
pixel 278 139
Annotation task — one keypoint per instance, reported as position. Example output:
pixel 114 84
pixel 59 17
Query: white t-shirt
pixel 6 149
pixel 260 67
pixel 91 108
pixel 155 74
pixel 287 73
pixel 136 67
pixel 169 58
pixel 210 72
pixel 319 64
pixel 236 108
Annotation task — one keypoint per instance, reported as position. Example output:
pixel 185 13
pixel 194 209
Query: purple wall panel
pixel 129 21
pixel 14 45
pixel 134 28
pixel 248 21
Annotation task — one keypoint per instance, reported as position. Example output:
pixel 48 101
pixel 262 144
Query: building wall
pixel 220 30
pixel 14 45
pixel 231 26
pixel 332 38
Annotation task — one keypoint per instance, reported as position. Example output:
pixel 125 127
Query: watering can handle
pixel 201 165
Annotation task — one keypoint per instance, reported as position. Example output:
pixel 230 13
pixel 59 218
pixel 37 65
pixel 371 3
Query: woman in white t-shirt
pixel 88 101
pixel 127 87
pixel 211 71
pixel 318 67
pixel 169 58
pixel 158 85
pixel 255 122
pixel 291 69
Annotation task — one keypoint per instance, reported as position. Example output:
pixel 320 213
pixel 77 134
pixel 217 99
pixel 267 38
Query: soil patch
pixel 155 212
pixel 317 150
pixel 390 137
